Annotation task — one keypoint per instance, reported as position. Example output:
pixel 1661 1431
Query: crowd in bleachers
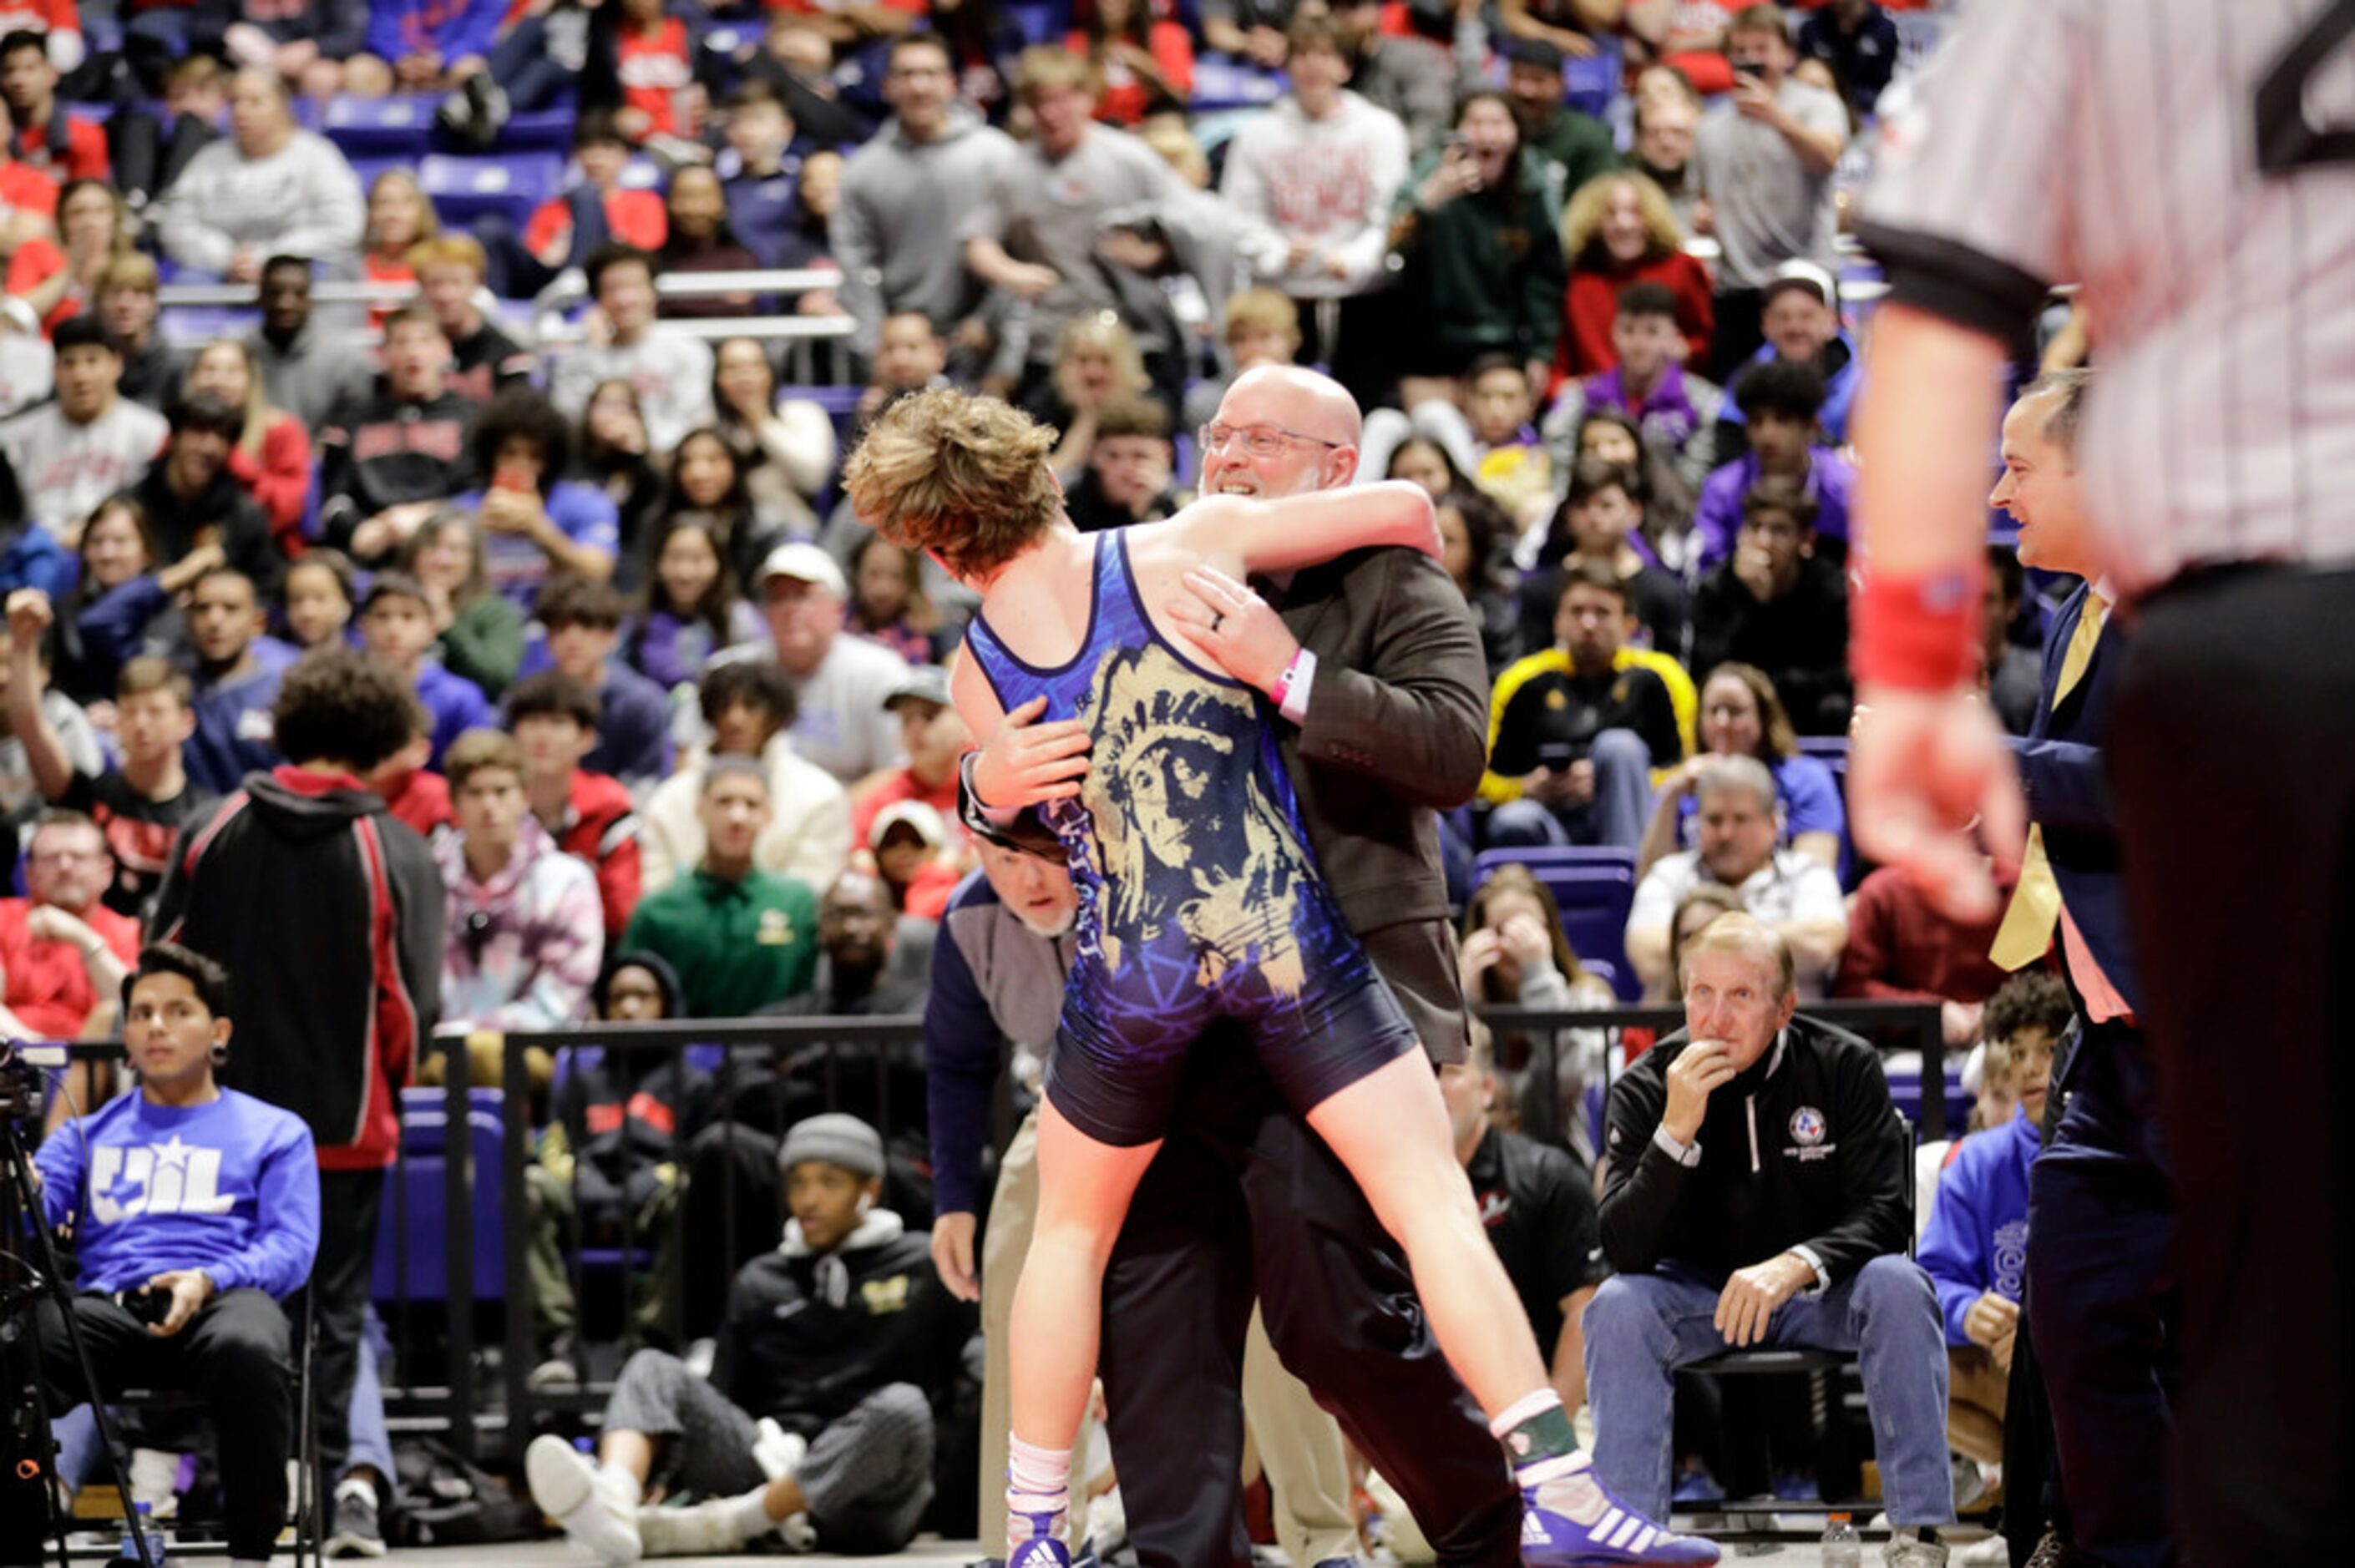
pixel 681 724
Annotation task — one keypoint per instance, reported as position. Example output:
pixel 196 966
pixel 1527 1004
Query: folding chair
pixel 309 1522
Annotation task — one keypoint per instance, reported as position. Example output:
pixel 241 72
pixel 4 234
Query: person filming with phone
pixel 1574 732
pixel 1764 173
pixel 194 1211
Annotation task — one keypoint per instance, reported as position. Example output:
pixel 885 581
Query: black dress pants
pixel 233 1354
pixel 1244 1200
pixel 2231 758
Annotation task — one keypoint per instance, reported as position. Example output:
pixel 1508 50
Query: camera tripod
pixel 27 1434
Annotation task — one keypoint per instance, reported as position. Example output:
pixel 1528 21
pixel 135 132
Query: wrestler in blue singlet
pixel 1198 896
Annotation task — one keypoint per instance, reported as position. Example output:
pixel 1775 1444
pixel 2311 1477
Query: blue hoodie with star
pixel 231 1187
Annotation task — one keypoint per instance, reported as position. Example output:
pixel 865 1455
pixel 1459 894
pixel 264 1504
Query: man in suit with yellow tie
pixel 2100 1209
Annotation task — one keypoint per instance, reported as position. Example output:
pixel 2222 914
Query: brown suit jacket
pixel 1397 731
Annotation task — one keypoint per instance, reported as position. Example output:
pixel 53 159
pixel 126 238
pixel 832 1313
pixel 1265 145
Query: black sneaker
pixel 356 1533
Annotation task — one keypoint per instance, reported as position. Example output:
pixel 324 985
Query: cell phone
pixel 146 1304
pixel 1749 69
pixel 1455 143
pixel 510 477
pixel 1557 755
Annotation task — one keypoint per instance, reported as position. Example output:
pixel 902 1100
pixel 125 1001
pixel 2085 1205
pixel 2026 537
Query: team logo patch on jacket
pixel 1808 1127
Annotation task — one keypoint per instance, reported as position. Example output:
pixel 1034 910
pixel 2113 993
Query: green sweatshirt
pixel 1487 267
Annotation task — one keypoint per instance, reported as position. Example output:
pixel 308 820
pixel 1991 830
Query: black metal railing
pixel 766 1058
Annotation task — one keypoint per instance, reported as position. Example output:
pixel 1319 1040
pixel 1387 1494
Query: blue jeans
pixel 1640 1327
pixel 1616 816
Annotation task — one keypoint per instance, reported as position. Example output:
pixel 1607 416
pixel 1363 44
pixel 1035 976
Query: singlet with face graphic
pixel 1198 896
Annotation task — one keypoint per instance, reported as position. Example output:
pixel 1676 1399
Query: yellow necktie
pixel 2026 934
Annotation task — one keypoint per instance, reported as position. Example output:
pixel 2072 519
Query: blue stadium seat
pixel 396 127
pixel 464 190
pixel 370 169
pixel 1042 21
pixel 1594 888
pixel 1589 84
pixel 1220 83
pixel 539 131
pixel 410 1231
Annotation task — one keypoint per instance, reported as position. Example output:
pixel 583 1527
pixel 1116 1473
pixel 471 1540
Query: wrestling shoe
pixel 1042 1548
pixel 584 1500
pixel 1569 1521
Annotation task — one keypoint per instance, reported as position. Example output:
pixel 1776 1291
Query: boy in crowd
pixel 1128 471
pixel 129 300
pixel 672 375
pixel 204 1202
pixel 739 937
pixel 141 804
pixel 237 677
pixel 484 361
pixel 583 621
pixel 1777 604
pixel 92 442
pixel 750 707
pixel 192 499
pixel 526 934
pixel 1779 401
pixel 1976 1246
pixel 1600 515
pixel 397 627
pixel 817 1423
pixel 389 459
pixel 554 720
pixel 1675 411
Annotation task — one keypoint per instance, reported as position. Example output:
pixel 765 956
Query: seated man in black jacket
pixel 1754 1193
pixel 1777 604
pixel 817 1422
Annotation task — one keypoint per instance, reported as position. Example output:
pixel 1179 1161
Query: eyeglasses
pixel 68 857
pixel 1259 440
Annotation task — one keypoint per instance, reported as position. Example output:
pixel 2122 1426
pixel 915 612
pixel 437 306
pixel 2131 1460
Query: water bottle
pixel 1843 1548
pixel 142 1526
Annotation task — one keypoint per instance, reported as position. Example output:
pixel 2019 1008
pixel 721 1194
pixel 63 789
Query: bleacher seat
pixel 1594 887
pixel 508 186
pixel 370 170
pixel 395 127
pixel 1042 21
pixel 409 1260
pixel 1589 84
pixel 1220 83
pixel 539 130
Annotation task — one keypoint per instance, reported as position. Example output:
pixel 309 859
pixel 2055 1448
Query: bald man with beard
pixel 1374 663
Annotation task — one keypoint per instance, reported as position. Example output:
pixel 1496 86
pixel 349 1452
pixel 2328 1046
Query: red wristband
pixel 1920 633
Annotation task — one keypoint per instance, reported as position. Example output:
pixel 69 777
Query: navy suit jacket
pixel 2061 767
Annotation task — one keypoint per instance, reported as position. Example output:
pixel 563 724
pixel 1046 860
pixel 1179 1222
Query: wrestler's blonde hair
pixel 966 478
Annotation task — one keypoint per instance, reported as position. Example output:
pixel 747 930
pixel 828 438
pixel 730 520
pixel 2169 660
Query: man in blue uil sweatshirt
pixel 203 1204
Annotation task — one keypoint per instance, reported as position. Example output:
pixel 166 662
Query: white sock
pixel 616 1482
pixel 1037 1481
pixel 750 1513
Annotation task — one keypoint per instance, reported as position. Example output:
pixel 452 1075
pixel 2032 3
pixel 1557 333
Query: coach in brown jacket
pixel 1375 664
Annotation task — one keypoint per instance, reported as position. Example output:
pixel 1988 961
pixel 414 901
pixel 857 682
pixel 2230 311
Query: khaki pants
pixel 1977 1392
pixel 1299 1446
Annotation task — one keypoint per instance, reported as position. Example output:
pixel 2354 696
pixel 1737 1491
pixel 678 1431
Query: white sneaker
pixel 1914 1548
pixel 708 1528
pixel 583 1498
pixel 155 1480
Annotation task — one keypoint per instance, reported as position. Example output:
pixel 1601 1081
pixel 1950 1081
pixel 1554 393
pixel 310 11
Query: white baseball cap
pixel 805 563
